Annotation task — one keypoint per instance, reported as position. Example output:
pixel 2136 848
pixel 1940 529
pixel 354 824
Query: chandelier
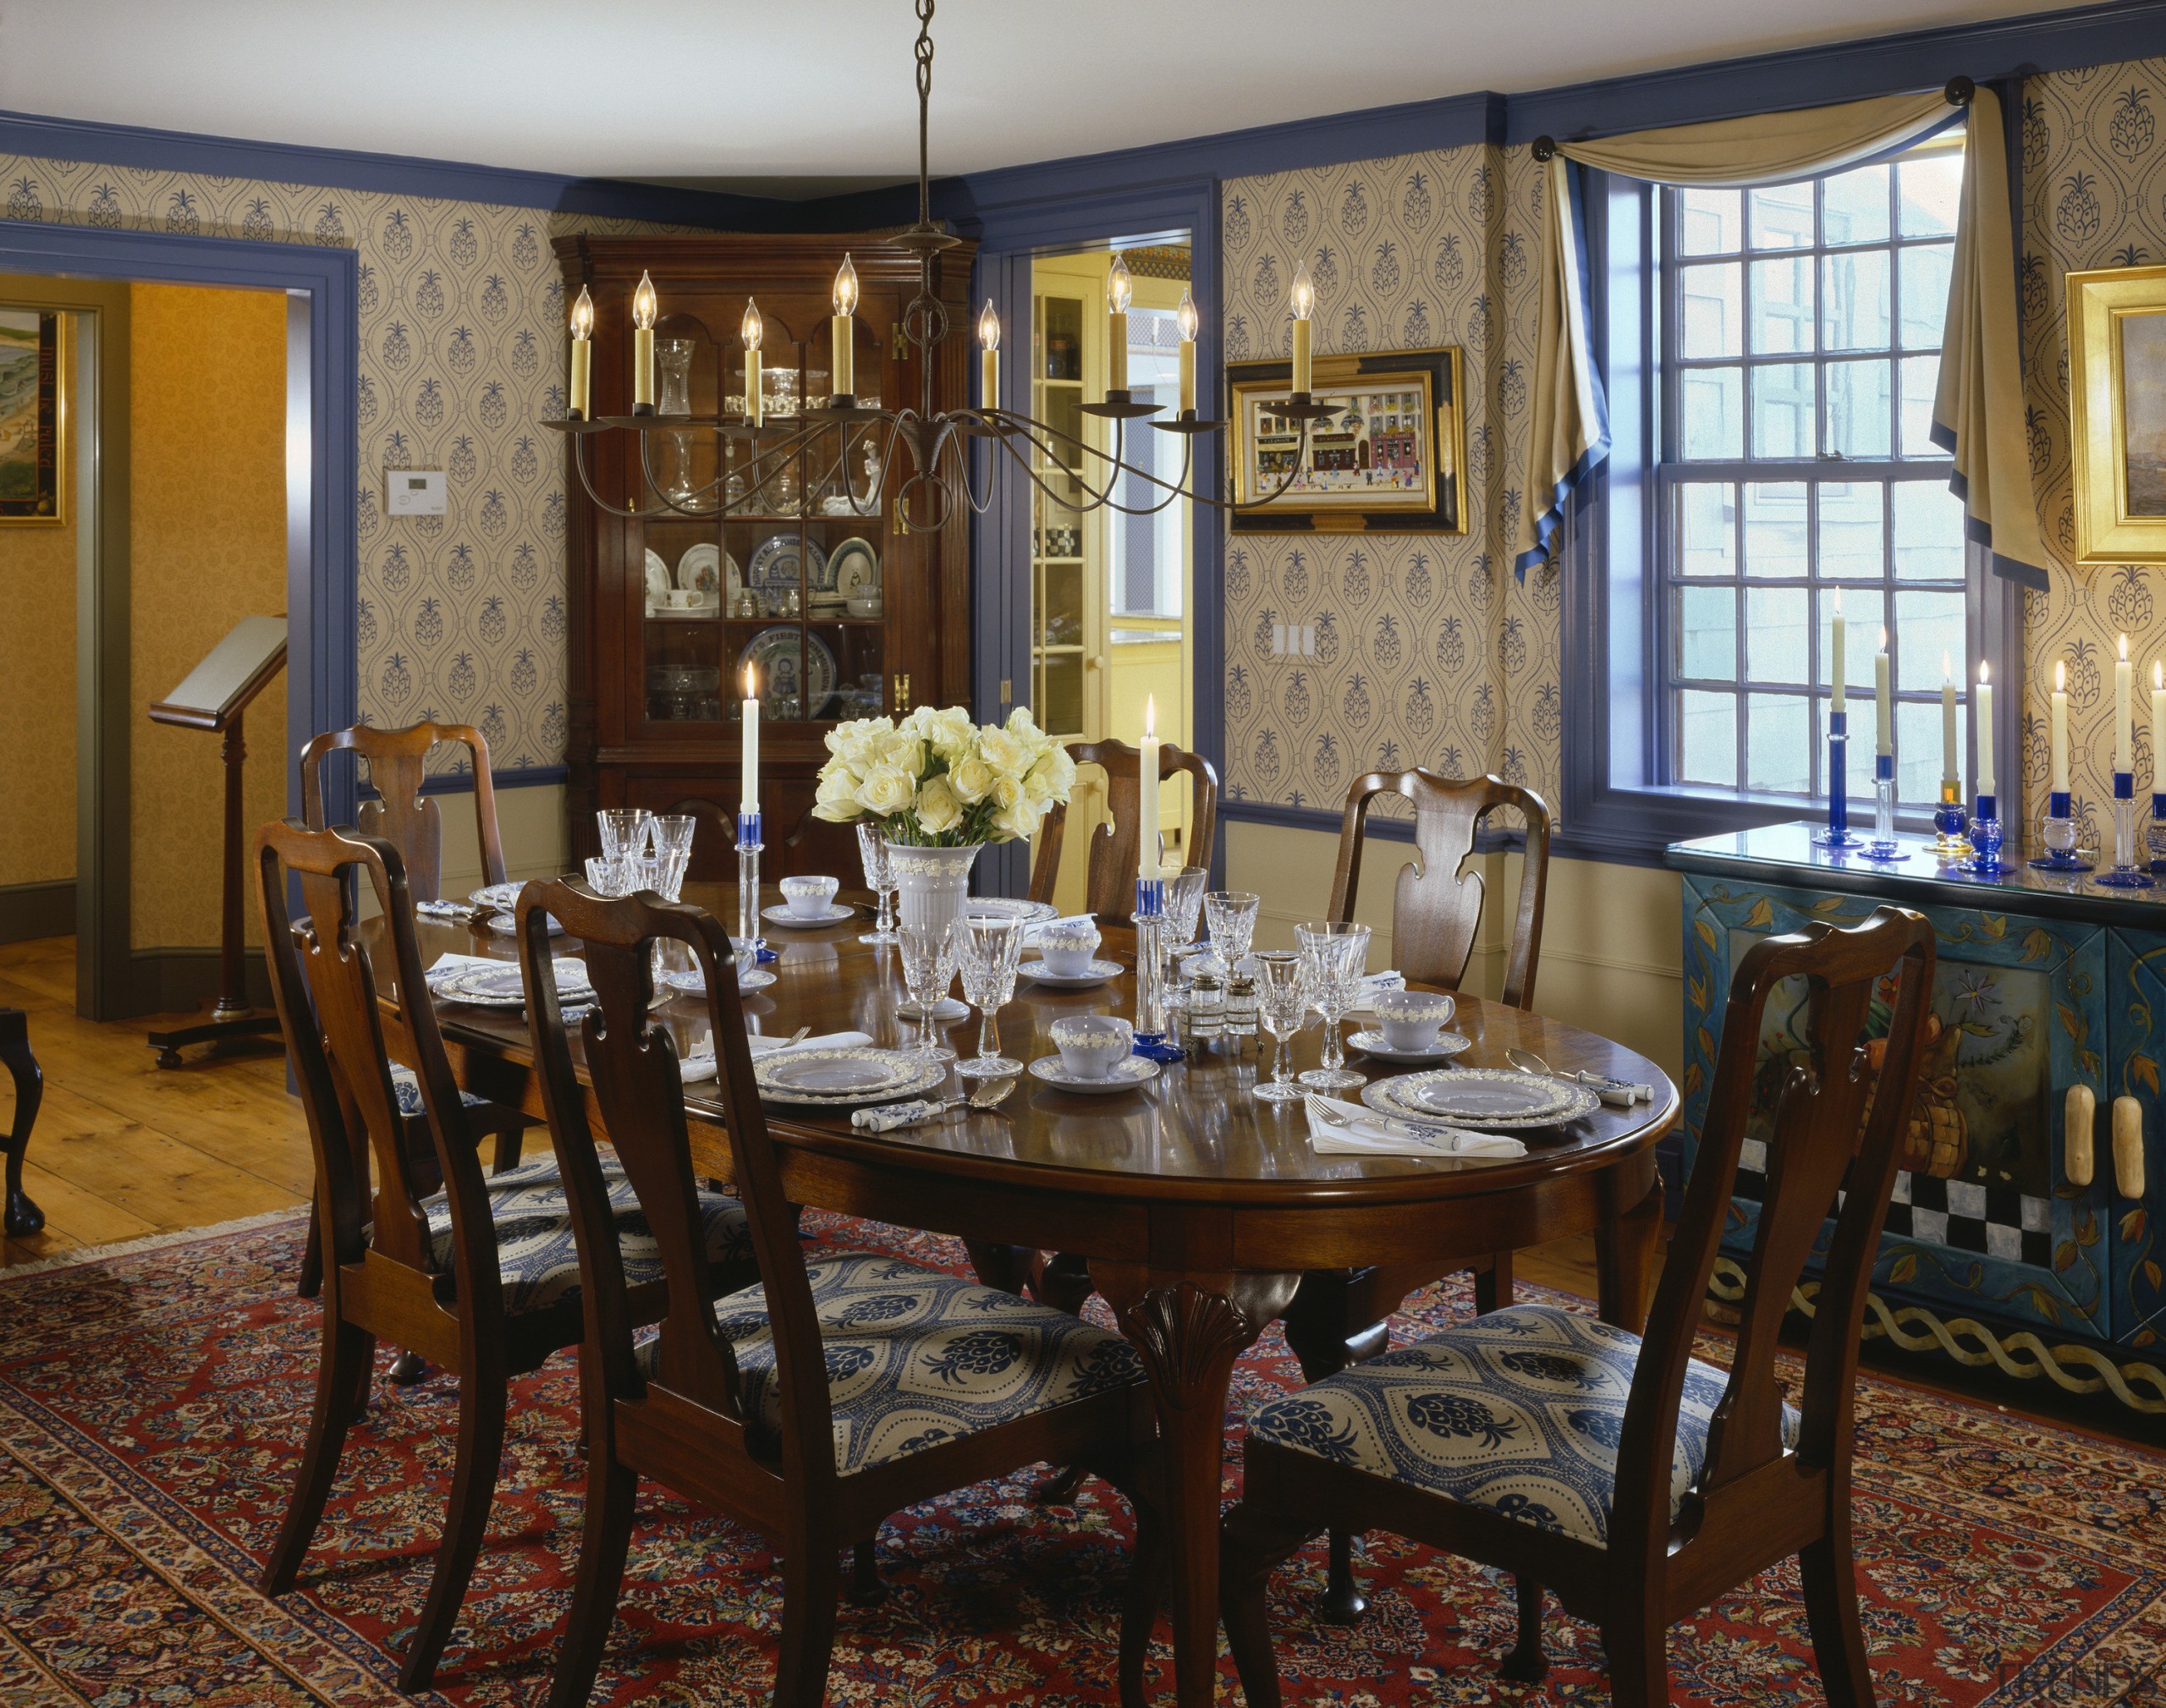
pixel 938 441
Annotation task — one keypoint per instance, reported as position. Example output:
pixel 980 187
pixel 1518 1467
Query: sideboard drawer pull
pixel 2128 1147
pixel 2079 1121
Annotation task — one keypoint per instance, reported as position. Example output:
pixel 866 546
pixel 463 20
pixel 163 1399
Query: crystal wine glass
pixel 928 954
pixel 989 949
pixel 1282 993
pixel 1230 914
pixel 880 879
pixel 1338 954
pixel 624 830
pixel 1185 902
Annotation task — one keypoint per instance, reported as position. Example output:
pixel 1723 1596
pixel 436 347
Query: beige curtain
pixel 1978 411
pixel 1570 429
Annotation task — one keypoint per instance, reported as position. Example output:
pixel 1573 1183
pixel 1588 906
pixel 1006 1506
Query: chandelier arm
pixel 1028 433
pixel 646 472
pixel 579 467
pixel 950 439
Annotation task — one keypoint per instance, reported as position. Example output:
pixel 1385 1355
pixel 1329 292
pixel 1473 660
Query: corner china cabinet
pixel 841 614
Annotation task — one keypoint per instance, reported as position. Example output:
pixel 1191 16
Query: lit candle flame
pixel 1190 320
pixel 583 316
pixel 751 684
pixel 845 296
pixel 752 329
pixel 1150 717
pixel 1303 297
pixel 2125 649
pixel 646 304
pixel 2060 677
pixel 1947 669
pixel 1982 673
pixel 989 327
pixel 1120 288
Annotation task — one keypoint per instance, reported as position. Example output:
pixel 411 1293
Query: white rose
pixel 1053 776
pixel 837 800
pixel 938 811
pixel 1006 752
pixel 951 734
pixel 904 751
pixel 1007 792
pixel 1018 822
pixel 972 780
pixel 886 791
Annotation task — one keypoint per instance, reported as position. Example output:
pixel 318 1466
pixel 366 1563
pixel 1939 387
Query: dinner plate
pixel 1128 1073
pixel 1009 908
pixel 1492 1099
pixel 842 1076
pixel 658 577
pixel 773 568
pixel 781 914
pixel 691 982
pixel 699 570
pixel 507 925
pixel 497 983
pixel 1447 1045
pixel 495 897
pixel 853 569
pixel 1039 972
pixel 793 665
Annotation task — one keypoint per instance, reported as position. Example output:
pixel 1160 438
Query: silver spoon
pixel 1528 1062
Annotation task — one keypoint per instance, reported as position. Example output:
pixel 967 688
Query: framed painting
pixel 1390 459
pixel 2117 398
pixel 33 418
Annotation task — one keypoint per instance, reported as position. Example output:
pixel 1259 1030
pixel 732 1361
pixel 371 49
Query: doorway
pixel 1112 595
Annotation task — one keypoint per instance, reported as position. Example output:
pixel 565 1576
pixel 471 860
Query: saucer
pixel 1128 1073
pixel 1099 972
pixel 693 983
pixel 945 1011
pixel 1447 1045
pixel 780 915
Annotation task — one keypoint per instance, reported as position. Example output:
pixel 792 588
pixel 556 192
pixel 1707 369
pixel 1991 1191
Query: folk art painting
pixel 33 413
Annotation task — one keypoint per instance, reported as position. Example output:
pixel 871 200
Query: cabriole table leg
pixel 22 1217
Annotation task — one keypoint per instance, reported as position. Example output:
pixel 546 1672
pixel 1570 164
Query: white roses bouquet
pixel 936 780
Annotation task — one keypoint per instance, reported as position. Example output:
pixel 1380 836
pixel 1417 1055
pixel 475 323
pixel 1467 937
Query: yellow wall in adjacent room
pixel 37 680
pixel 208 548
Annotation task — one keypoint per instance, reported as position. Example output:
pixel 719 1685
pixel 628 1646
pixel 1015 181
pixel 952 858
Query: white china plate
pixel 842 1076
pixel 773 568
pixel 1099 972
pixel 700 570
pixel 658 577
pixel 780 915
pixel 853 569
pixel 507 925
pixel 1009 908
pixel 947 1009
pixel 691 983
pixel 1447 1045
pixel 1491 1099
pixel 498 983
pixel 496 896
pixel 789 670
pixel 1128 1073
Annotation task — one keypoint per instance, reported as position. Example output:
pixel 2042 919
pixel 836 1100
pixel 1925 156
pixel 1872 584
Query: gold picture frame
pixel 1392 461
pixel 2117 403
pixel 34 370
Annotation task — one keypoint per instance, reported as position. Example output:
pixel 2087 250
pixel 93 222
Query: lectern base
pixel 224 1025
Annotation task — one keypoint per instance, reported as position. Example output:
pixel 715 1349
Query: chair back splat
pixel 1437 909
pixel 401 813
pixel 1115 852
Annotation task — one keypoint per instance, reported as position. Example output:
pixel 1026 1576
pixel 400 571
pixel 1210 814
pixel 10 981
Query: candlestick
pixel 1151 983
pixel 2123 725
pixel 2058 834
pixel 2057 740
pixel 1984 734
pixel 646 306
pixel 842 332
pixel 989 361
pixel 1884 847
pixel 747 790
pixel 1986 837
pixel 749 331
pixel 1146 830
pixel 1884 730
pixel 1303 303
pixel 1838 833
pixel 1119 288
pixel 1948 842
pixel 2125 873
pixel 1841 704
pixel 582 377
pixel 748 886
pixel 1948 767
pixel 1191 322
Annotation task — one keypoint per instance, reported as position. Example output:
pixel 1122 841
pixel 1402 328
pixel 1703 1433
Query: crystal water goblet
pixel 1337 954
pixel 624 830
pixel 1282 993
pixel 880 879
pixel 928 953
pixel 1230 916
pixel 988 950
pixel 1185 902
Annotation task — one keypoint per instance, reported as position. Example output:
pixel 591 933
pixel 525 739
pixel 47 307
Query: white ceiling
pixel 822 91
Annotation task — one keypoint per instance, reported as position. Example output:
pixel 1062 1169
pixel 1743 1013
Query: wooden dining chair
pixel 477 1273
pixel 401 813
pixel 849 1385
pixel 1634 1479
pixel 1110 884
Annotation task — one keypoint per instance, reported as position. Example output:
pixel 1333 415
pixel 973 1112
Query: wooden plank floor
pixel 124 1149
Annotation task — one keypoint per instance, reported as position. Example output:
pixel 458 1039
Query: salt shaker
pixel 1241 1009
pixel 1204 1012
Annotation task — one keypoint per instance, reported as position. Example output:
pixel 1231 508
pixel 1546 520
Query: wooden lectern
pixel 213 697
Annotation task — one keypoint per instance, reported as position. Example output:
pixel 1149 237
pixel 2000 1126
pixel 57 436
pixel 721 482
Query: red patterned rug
pixel 152 1405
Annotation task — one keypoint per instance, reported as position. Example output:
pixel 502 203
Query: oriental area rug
pixel 153 1404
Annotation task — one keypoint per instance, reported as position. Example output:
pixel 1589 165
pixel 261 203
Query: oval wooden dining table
pixel 1198 1206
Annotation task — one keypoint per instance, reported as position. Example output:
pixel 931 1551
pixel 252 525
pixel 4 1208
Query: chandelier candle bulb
pixel 1146 838
pixel 843 331
pixel 1191 321
pixel 2124 726
pixel 1985 733
pixel 748 792
pixel 989 358
pixel 750 332
pixel 645 307
pixel 1303 303
pixel 582 375
pixel 1119 289
pixel 1884 727
pixel 1838 704
pixel 2058 730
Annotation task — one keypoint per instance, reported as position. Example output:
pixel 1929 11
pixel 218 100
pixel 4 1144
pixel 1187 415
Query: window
pixel 1146 573
pixel 1800 337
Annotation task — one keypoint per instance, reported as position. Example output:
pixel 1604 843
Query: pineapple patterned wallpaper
pixel 2094 190
pixel 1428 651
pixel 461 617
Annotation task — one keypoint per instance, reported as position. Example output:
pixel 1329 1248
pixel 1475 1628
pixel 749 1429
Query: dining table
pixel 1197 1206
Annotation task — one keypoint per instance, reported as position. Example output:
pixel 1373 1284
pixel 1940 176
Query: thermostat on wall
pixel 414 491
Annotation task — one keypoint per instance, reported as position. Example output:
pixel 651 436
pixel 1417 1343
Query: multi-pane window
pixel 1801 349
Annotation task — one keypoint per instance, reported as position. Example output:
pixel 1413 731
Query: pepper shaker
pixel 1241 1012
pixel 1204 1012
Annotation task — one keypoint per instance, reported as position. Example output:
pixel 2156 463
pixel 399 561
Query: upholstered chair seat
pixel 407 1089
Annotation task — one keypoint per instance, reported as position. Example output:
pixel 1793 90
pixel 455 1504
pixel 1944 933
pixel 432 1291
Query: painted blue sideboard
pixel 1992 1256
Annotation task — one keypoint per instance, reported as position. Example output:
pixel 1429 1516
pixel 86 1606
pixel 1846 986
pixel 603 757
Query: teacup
pixel 1091 1045
pixel 1409 1020
pixel 864 606
pixel 1067 945
pixel 811 898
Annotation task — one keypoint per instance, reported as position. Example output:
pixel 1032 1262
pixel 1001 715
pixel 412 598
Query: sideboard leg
pixel 22 1217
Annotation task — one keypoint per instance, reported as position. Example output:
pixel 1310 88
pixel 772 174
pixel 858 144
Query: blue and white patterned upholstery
pixel 916 1357
pixel 406 1086
pixel 537 1251
pixel 1519 1411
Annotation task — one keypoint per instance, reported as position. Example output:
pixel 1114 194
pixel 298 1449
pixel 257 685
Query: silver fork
pixel 1319 1111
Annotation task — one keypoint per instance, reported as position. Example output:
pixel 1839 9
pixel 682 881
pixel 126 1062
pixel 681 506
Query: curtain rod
pixel 1958 93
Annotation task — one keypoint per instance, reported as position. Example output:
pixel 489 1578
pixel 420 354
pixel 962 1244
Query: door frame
pixel 1000 537
pixel 323 364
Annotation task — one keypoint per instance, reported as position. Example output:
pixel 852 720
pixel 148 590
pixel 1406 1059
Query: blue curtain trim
pixel 1552 517
pixel 1553 514
pixel 1979 531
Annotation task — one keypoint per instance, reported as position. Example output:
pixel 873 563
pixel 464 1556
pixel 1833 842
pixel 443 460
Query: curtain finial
pixel 1544 148
pixel 1959 90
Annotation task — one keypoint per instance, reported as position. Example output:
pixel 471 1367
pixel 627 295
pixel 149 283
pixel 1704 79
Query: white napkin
pixel 444 910
pixel 1372 1135
pixel 700 1065
pixel 447 965
pixel 889 1116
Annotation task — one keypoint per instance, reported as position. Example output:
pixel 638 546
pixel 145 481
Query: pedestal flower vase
pixel 932 883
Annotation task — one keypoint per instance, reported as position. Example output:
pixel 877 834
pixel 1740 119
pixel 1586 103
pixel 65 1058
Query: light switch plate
pixel 414 492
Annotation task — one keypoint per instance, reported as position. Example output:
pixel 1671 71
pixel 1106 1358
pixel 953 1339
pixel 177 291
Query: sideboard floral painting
pixel 32 410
